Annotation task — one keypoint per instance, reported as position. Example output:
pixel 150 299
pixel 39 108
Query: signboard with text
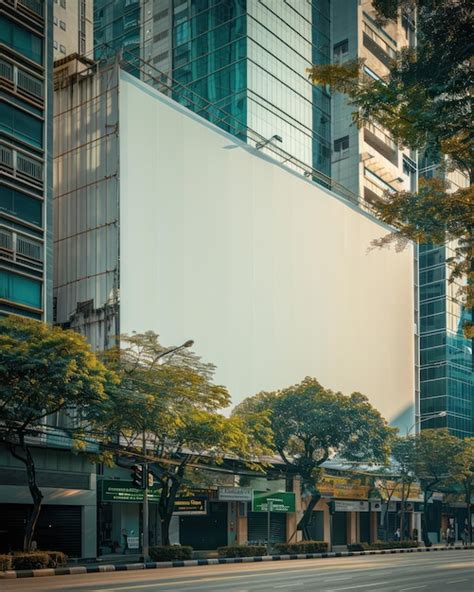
pixel 351 506
pixel 185 506
pixel 279 501
pixel 117 490
pixel 235 494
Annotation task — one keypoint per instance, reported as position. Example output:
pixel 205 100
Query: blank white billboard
pixel 271 275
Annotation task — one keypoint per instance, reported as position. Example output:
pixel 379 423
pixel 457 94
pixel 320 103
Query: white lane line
pixel 358 586
pixel 412 588
pixel 335 579
pixel 456 581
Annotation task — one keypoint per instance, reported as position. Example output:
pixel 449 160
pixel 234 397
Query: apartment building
pixel 73 29
pixel 25 158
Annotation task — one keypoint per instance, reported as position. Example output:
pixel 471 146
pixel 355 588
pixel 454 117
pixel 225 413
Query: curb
pixel 66 571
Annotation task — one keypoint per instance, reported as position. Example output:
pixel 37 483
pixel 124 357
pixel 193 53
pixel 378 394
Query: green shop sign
pixel 115 490
pixel 279 501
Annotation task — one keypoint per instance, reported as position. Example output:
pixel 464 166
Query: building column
pixel 89 531
pixel 352 523
pixel 242 524
pixel 374 523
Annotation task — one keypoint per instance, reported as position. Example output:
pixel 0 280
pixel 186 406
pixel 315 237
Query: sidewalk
pixel 63 571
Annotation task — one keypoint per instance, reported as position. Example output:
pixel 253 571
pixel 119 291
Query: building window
pixel 21 40
pixel 341 147
pixel 62 24
pixel 21 125
pixel 62 49
pixel 19 289
pixel 55 20
pixel 63 3
pixel 341 50
pixel 20 205
pixel 55 44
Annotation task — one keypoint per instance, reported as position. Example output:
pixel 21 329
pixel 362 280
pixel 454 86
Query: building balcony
pixel 21 249
pixel 21 82
pixel 19 165
pixel 31 8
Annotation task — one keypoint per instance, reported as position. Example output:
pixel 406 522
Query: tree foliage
pixel 174 408
pixel 310 424
pixel 44 371
pixel 425 104
pixel 432 463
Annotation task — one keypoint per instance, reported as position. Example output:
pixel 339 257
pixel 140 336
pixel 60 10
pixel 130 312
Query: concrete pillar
pixel 374 522
pixel 89 531
pixel 352 527
pixel 232 509
pixel 242 525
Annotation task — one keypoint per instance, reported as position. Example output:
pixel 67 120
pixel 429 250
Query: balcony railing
pixel 20 248
pixel 20 165
pixel 36 6
pixel 21 81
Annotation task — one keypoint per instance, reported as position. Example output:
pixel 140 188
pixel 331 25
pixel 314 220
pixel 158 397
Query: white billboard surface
pixel 271 275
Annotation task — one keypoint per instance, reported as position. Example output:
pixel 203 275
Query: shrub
pixel 57 558
pixel 379 545
pixel 301 547
pixel 5 562
pixel 242 551
pixel 171 553
pixel 34 560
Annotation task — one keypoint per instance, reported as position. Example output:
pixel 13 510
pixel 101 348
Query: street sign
pixel 185 506
pixel 279 501
pixel 117 490
pixel 351 506
pixel 133 542
pixel 235 494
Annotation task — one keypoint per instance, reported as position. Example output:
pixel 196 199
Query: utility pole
pixel 145 545
pixel 269 510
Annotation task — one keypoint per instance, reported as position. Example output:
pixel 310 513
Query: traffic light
pixel 138 476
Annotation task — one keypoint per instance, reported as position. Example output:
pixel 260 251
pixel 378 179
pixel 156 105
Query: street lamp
pixel 427 418
pixel 146 513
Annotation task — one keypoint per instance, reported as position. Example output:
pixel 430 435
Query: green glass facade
pixel 26 52
pixel 241 64
pixel 446 380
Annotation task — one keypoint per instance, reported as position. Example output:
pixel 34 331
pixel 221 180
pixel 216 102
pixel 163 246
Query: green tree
pixel 433 464
pixel 44 371
pixel 403 451
pixel 425 104
pixel 464 463
pixel 173 409
pixel 309 424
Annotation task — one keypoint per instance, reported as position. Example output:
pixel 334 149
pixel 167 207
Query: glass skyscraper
pixel 26 51
pixel 446 359
pixel 239 63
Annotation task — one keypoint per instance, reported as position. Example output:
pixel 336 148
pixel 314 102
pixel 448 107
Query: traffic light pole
pixel 145 546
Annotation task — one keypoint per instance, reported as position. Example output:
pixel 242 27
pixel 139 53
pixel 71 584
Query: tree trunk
pixel 166 503
pixel 424 520
pixel 402 514
pixel 303 524
pixel 35 491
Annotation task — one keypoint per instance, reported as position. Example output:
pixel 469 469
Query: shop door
pixel 205 532
pixel 316 526
pixel 58 528
pixel 339 528
pixel 258 527
pixel 364 527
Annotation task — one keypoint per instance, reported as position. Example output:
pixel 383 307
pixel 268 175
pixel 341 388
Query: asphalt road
pixel 430 572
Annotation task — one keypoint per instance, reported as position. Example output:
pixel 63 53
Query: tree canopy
pixel 174 407
pixel 425 104
pixel 309 424
pixel 43 371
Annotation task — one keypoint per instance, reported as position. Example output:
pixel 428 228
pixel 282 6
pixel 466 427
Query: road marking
pixel 337 578
pixel 412 588
pixel 456 581
pixel 358 586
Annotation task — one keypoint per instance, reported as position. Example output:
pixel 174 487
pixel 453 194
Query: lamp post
pixel 427 418
pixel 146 513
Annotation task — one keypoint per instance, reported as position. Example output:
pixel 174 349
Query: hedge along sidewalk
pixel 66 571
